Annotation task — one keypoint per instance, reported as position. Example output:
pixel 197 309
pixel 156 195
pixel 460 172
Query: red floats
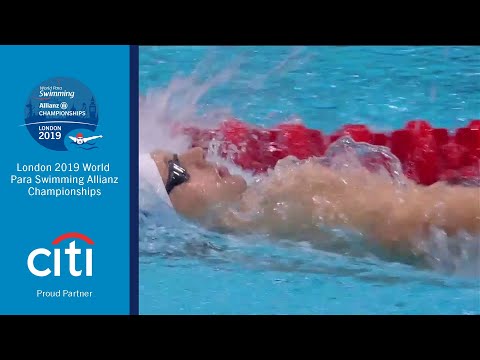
pixel 469 138
pixel 474 124
pixel 299 141
pixel 358 132
pixel 425 161
pixel 381 139
pixel 427 154
pixel 239 145
pixel 419 127
pixel 402 144
pixel 234 131
pixel 441 136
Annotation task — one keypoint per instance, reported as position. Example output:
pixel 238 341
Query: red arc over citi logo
pixel 71 251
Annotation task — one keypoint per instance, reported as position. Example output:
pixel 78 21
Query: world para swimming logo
pixel 61 114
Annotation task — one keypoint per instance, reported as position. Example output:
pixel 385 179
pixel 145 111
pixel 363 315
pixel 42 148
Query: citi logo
pixel 71 251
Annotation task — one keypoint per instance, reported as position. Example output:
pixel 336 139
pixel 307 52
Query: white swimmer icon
pixel 79 139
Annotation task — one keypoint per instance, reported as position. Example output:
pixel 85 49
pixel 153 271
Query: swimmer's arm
pixel 313 199
pixel 392 216
pixel 453 208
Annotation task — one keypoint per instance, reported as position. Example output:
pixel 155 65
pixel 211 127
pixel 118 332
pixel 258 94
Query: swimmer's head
pixel 201 184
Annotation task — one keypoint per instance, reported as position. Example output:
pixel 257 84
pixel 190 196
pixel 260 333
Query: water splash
pixel 180 103
pixel 347 153
pixel 282 193
pixel 459 254
pixel 162 110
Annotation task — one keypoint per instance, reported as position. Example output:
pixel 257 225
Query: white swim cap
pixel 151 186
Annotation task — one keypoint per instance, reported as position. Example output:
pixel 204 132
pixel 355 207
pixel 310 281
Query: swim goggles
pixel 177 175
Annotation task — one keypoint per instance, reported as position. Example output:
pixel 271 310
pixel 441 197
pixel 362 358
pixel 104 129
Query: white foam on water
pixel 179 103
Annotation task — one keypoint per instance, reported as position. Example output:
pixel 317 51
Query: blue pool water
pixel 185 269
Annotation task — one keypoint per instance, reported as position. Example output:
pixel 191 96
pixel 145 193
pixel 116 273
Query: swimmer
pixel 318 197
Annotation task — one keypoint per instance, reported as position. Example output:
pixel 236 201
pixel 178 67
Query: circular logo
pixel 62 114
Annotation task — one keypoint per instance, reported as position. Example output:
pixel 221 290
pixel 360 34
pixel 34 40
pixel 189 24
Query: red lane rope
pixel 427 154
